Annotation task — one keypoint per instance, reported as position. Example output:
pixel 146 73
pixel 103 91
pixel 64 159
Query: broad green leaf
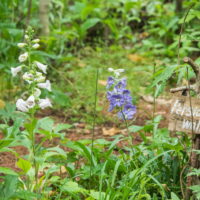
pixel 24 165
pixel 46 124
pixel 89 23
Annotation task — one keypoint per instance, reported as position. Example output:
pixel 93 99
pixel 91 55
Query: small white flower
pixel 21 45
pixel 22 105
pixel 15 70
pixel 30 101
pixel 110 69
pixel 46 85
pixel 26 37
pixel 120 70
pixel 36 40
pixel 23 57
pixel 37 92
pixel 35 46
pixel 116 72
pixel 44 103
pixel 41 66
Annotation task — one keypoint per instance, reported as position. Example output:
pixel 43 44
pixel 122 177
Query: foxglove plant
pixel 33 74
pixel 118 96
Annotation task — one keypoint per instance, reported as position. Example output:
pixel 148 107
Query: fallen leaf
pixel 63 169
pixel 143 35
pixel 135 57
pixel 111 131
pixel 102 82
pixel 81 64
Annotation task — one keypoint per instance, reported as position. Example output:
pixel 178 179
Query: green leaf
pixel 26 195
pixel 72 187
pixel 46 124
pixel 24 165
pixel 61 127
pixel 9 171
pixel 135 128
pixel 174 197
pixel 89 23
pixel 7 190
pixel 5 142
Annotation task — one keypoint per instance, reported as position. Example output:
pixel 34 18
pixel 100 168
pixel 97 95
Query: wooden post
pixel 194 159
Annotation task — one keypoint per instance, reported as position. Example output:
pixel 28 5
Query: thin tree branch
pixel 194 66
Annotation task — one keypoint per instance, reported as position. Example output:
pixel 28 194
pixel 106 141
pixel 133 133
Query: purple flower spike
pixel 128 112
pixel 117 100
pixel 121 85
pixel 110 82
pixel 120 98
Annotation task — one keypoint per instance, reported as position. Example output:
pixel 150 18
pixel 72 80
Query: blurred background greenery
pixel 79 36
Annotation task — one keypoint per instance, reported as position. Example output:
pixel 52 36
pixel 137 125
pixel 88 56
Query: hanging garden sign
pixel 182 116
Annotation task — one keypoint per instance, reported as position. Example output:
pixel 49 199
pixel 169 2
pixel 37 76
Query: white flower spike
pixel 46 85
pixel 41 66
pixel 21 105
pixel 23 57
pixel 15 70
pixel 44 103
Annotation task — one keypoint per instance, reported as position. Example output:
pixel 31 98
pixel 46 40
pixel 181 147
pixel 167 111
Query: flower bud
pixel 35 46
pixel 21 45
pixel 27 76
pixel 26 37
pixel 36 41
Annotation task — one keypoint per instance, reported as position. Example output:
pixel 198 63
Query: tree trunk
pixel 44 18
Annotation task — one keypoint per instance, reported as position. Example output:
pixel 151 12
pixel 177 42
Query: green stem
pixel 94 123
pixel 129 134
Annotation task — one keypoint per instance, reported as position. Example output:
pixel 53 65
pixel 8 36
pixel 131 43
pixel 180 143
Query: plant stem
pixel 129 134
pixel 94 123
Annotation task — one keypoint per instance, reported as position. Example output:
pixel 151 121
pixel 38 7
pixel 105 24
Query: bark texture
pixel 44 17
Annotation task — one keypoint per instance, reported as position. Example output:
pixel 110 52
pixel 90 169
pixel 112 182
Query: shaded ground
pixel 80 131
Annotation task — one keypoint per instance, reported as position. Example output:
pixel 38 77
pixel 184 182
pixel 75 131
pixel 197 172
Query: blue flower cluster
pixel 120 98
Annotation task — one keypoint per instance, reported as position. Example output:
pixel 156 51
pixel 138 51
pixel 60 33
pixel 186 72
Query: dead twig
pixel 182 88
